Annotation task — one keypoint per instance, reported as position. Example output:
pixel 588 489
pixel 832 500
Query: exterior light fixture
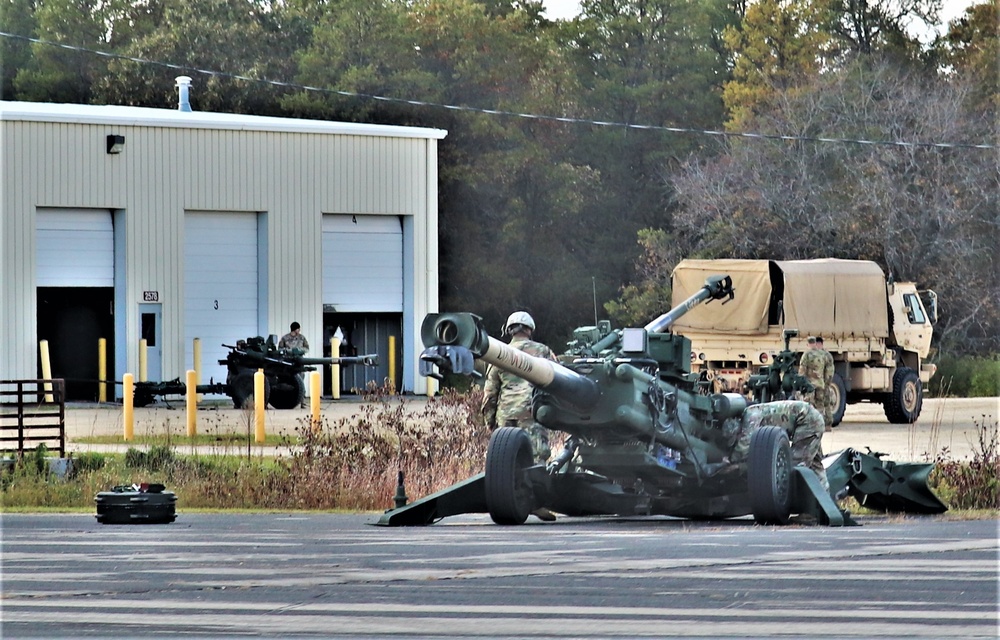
pixel 116 143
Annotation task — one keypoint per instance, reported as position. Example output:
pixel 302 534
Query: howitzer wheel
pixel 241 390
pixel 769 475
pixel 509 497
pixel 142 397
pixel 288 392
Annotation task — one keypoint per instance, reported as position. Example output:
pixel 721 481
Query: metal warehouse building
pixel 129 223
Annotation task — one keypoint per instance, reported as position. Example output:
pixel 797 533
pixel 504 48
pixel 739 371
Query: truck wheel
pixel 769 471
pixel 288 393
pixel 508 496
pixel 839 399
pixel 902 405
pixel 241 391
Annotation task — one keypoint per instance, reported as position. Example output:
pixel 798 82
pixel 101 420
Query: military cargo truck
pixel 878 331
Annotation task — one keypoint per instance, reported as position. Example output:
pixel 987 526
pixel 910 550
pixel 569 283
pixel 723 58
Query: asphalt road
pixel 322 575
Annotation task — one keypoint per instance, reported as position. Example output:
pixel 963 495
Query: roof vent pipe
pixel 183 85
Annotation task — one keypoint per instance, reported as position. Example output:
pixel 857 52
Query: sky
pixel 566 9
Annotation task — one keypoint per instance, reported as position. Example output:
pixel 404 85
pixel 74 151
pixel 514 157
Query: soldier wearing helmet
pixel 507 398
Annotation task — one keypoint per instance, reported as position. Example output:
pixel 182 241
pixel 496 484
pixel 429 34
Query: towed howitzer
pixel 284 387
pixel 641 439
pixel 780 380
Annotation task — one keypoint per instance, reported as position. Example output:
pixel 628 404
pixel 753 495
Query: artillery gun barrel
pixel 465 330
pixel 715 288
pixel 370 360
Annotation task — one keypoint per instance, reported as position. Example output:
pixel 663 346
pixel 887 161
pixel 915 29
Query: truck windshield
pixel 913 309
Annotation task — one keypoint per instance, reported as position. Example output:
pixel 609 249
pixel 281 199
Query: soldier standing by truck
pixel 816 366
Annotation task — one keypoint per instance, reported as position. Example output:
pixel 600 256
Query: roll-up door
pixel 75 248
pixel 362 264
pixel 75 279
pixel 220 285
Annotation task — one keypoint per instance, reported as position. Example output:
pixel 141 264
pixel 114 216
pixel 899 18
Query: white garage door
pixel 220 285
pixel 363 263
pixel 75 248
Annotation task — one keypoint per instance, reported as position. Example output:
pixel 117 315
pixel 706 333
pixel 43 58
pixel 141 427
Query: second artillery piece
pixel 641 438
pixel 284 387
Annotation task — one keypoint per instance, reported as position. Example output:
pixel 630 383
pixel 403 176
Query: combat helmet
pixel 518 318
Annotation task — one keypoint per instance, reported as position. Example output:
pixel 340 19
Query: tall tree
pixel 774 47
pixel 641 62
pixel 871 26
pixel 236 37
pixel 925 213
pixel 363 47
pixel 18 17
pixel 55 74
pixel 971 47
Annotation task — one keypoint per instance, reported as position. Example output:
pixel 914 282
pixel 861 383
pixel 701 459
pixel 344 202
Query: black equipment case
pixel 136 504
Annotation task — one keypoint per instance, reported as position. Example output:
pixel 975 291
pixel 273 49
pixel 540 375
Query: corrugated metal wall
pixel 292 178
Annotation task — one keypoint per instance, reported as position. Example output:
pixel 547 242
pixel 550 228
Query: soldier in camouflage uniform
pixel 802 422
pixel 507 398
pixel 816 366
pixel 294 339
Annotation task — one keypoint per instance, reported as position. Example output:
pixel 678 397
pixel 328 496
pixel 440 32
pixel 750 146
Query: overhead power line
pixel 500 112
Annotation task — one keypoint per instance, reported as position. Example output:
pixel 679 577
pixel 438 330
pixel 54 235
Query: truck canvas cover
pixel 828 297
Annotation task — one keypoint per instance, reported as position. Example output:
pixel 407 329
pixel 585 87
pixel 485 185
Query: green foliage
pixel 87 462
pixel 639 303
pixel 974 484
pixel 966 377
pixel 986 380
pixel 158 458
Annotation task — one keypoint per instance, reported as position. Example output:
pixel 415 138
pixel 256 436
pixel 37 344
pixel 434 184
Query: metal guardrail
pixel 33 412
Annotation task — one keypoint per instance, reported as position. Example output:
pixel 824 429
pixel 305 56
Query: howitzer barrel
pixel 369 360
pixel 715 288
pixel 446 332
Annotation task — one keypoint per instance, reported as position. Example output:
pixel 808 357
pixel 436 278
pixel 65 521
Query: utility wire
pixel 499 112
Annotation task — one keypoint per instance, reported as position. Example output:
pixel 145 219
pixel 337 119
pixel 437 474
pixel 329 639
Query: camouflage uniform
pixel 828 407
pixel 289 341
pixel 507 399
pixel 816 366
pixel 802 422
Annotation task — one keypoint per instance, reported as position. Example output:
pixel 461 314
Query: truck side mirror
pixel 932 305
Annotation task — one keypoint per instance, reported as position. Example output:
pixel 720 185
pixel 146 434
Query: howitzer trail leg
pixel 809 497
pixel 883 485
pixel 465 497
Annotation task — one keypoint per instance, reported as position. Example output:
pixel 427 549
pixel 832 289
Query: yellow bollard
pixel 192 404
pixel 392 365
pixel 197 363
pixel 128 415
pixel 314 385
pixel 258 406
pixel 43 348
pixel 102 369
pixel 142 360
pixel 430 387
pixel 335 369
